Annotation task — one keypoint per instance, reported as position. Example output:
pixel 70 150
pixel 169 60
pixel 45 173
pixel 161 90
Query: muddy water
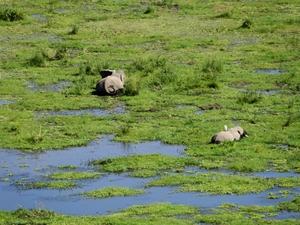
pixel 16 166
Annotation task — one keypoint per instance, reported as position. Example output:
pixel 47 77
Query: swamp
pixel 70 156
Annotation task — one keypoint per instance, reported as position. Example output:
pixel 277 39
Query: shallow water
pixel 271 92
pixel 4 102
pixel 51 87
pixel 95 112
pixel 17 165
pixel 40 17
pixel 268 71
pixel 198 112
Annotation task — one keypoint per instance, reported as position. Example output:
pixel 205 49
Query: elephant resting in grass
pixel 110 85
pixel 112 82
pixel 233 134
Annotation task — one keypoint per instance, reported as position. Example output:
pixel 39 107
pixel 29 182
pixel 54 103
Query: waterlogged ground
pixel 192 67
pixel 31 167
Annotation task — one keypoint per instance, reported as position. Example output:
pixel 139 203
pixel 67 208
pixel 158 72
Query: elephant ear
pixel 119 74
pixel 105 73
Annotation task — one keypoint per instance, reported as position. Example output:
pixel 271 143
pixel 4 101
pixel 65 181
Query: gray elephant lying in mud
pixel 112 82
pixel 233 134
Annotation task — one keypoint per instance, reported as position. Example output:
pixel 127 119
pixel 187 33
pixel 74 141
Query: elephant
pixel 233 134
pixel 110 85
pixel 115 73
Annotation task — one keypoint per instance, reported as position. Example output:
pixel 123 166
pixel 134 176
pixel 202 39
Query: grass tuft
pixel 109 192
pixel 247 24
pixel 249 97
pixel 11 15
pixel 74 30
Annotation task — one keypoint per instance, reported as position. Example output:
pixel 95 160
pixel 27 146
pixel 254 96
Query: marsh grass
pixel 69 167
pixel 11 15
pixel 109 192
pixel 160 209
pixel 37 137
pixel 142 162
pixel 165 51
pixel 212 69
pixel 72 175
pixel 247 24
pixel 61 52
pixel 144 173
pixel 225 15
pixel 132 86
pixel 75 30
pixel 249 97
pixel 42 184
pixel 218 183
pixel 163 213
pixel 39 59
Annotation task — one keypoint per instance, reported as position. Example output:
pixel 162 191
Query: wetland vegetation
pixel 192 67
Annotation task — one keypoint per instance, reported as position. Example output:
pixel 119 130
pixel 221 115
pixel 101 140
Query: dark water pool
pixel 16 165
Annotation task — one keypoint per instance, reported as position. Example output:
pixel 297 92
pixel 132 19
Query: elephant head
pixel 233 134
pixel 238 133
pixel 110 85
